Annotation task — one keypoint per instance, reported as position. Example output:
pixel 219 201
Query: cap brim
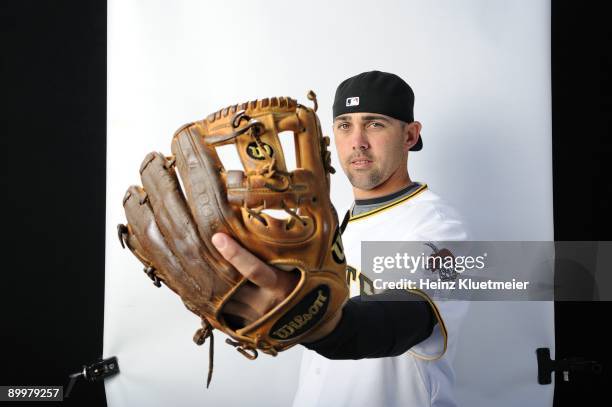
pixel 419 144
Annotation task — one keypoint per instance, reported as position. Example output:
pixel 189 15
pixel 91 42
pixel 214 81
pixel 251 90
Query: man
pixel 397 351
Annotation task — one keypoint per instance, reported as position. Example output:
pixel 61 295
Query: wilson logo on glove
pixel 303 316
pixel 256 152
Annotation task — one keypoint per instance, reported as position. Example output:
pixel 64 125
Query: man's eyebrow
pixel 364 118
pixel 382 118
pixel 343 117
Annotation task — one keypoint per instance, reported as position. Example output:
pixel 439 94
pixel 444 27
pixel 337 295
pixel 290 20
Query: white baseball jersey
pixel 424 375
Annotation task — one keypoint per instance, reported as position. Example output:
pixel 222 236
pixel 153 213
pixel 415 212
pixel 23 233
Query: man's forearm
pixel 386 324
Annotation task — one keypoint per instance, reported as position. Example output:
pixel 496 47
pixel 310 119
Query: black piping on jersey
pixel 349 218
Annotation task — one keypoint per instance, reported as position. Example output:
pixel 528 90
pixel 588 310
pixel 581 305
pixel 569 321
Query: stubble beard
pixel 365 181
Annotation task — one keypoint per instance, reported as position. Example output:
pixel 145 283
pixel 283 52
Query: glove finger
pixel 308 148
pixel 175 221
pixel 129 240
pixel 199 168
pixel 153 245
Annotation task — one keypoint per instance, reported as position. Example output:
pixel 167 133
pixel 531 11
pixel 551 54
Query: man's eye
pixel 343 126
pixel 376 125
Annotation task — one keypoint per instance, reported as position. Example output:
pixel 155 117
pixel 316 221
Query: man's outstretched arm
pixel 387 324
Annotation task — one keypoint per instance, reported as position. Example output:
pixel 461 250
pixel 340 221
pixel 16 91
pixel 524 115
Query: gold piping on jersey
pixel 389 205
pixel 443 330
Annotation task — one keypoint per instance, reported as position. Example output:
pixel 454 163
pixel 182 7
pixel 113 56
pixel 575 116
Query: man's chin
pixel 362 184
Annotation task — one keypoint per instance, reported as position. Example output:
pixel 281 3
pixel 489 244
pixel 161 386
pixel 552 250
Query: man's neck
pixel 386 188
pixel 365 205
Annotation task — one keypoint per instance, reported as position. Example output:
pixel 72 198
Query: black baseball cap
pixel 377 92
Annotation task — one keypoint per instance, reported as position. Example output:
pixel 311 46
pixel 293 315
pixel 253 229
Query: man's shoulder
pixel 434 215
pixel 430 202
pixel 422 215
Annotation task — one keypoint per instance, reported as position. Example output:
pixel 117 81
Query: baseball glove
pixel 170 223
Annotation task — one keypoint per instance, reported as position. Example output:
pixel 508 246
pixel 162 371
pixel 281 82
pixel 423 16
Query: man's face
pixel 371 147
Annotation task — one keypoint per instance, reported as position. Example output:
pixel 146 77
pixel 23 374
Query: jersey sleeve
pixel 442 224
pixel 378 327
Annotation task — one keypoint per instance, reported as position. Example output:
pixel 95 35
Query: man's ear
pixel 411 133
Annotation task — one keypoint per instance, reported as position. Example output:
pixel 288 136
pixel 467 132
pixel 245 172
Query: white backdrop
pixel 480 70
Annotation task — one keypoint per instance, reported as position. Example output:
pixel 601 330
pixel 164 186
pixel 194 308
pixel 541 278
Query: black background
pixel 581 180
pixel 53 188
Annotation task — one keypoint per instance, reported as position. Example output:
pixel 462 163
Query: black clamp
pixel 546 366
pixel 96 371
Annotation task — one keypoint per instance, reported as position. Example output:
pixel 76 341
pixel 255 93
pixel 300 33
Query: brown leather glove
pixel 169 228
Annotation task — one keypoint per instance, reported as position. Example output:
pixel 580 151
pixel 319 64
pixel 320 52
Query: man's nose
pixel 359 139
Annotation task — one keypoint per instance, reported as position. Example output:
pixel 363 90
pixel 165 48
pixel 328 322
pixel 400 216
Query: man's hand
pixel 268 286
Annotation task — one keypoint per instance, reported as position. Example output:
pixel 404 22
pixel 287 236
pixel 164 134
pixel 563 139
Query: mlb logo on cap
pixel 354 101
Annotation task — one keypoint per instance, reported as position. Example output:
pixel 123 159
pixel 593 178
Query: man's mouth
pixel 361 162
